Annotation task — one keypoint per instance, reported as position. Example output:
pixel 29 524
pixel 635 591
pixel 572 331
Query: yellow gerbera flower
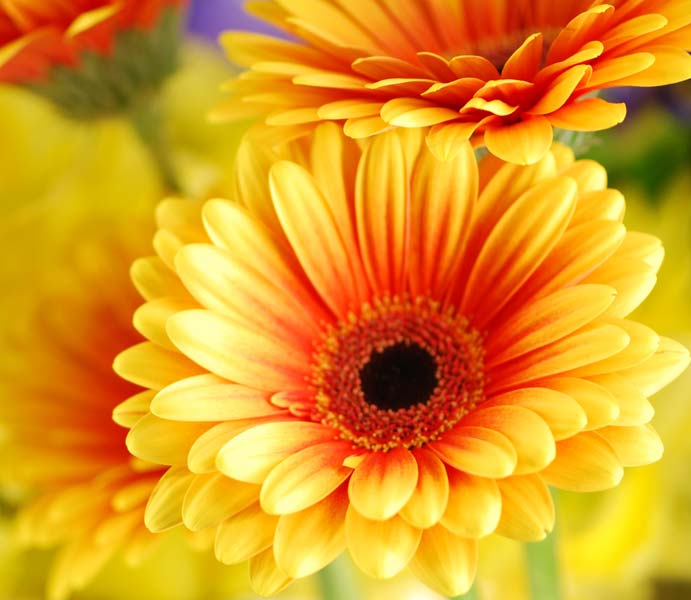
pixel 377 350
pixel 501 73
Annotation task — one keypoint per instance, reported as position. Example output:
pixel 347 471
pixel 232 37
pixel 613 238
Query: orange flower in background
pixel 37 35
pixel 375 350
pixel 57 396
pixel 502 73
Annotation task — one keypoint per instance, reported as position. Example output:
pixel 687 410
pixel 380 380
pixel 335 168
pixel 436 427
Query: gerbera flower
pixel 379 351
pixel 501 73
pixel 81 53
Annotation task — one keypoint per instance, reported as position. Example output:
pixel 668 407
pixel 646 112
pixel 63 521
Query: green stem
pixel 147 123
pixel 543 568
pixel 337 582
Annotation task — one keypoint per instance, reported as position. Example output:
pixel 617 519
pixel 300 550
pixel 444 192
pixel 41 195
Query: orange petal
pixel 590 344
pixel 381 201
pixel 383 483
pixel 313 233
pixel 634 446
pixel 584 463
pixel 527 510
pixel 244 535
pixel 441 203
pixel 525 61
pixel 310 539
pixel 671 65
pixel 477 450
pixel 428 502
pixel 474 505
pixel 381 549
pixel 445 562
pixel 237 352
pixel 528 433
pixel 546 320
pixel 251 455
pixel 609 70
pixel 523 143
pixel 517 245
pixel 591 114
pixel 305 478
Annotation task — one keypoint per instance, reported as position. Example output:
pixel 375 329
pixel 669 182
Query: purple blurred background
pixel 208 18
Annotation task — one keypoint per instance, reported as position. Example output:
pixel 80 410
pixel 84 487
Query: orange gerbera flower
pixel 502 73
pixel 37 35
pixel 58 394
pixel 377 350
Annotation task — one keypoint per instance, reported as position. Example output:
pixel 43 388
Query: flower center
pixel 399 376
pixel 399 373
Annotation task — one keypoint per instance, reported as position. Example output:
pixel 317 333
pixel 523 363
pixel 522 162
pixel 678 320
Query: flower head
pixel 503 73
pixel 62 49
pixel 369 348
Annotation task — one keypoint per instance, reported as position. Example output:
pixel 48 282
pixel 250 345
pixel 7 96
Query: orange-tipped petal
pixel 428 502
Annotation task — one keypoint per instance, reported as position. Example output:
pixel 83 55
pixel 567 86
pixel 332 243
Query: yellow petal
pixel 668 362
pixel 305 478
pixel 152 366
pixel 244 535
pixel 127 413
pixel 150 318
pixel 309 540
pixel 634 407
pixel 251 455
pixel 235 351
pixel 447 139
pixel 153 279
pixel 634 446
pixel 428 502
pixel 523 143
pixel 265 576
pixel 584 463
pixel 210 398
pixel 202 455
pixel 213 497
pixel 445 562
pixel 527 509
pixel 563 415
pixel 474 505
pixel 598 404
pixel 163 442
pixel 383 483
pixel 415 112
pixel 477 450
pixel 381 549
pixel 528 433
pixel 164 509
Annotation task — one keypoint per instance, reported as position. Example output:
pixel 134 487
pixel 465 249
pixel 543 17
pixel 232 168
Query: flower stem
pixel 336 581
pixel 147 123
pixel 543 568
